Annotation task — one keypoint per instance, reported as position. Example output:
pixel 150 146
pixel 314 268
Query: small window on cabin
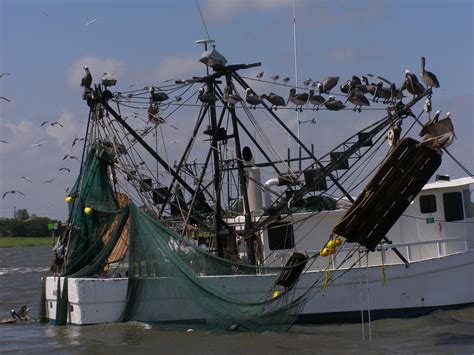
pixel 281 236
pixel 453 206
pixel 427 204
pixel 467 203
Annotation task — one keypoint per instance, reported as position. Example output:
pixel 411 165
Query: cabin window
pixel 281 236
pixel 466 194
pixel 453 206
pixel 428 204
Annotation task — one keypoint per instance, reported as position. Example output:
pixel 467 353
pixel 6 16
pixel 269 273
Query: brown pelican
pixel 207 96
pixel 427 77
pixel 395 94
pixel 297 99
pixel 252 99
pixel 274 99
pixel 159 96
pixel 229 97
pixel 87 79
pixel 333 105
pixel 412 85
pixel 327 84
pixel 358 99
pixel 435 118
pixel 316 100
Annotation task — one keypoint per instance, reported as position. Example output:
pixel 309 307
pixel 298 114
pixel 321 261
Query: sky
pixel 45 44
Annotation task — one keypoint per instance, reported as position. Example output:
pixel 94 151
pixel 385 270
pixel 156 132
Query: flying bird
pixel 2 141
pixel 4 98
pixel 12 192
pixel 44 122
pixel 3 74
pixel 38 144
pixel 75 140
pixel 90 22
pixel 67 169
pixel 56 123
pixel 25 178
pixel 87 79
pixel 48 181
pixel 70 157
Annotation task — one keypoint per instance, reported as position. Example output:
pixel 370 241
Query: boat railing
pixel 412 251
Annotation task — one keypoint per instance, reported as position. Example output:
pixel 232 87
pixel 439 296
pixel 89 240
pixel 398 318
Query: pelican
pixel 333 105
pixel 274 99
pixel 307 82
pixel 316 100
pixel 298 99
pixel 412 84
pixel 427 77
pixel 207 96
pixel 229 97
pixel 328 83
pixel 87 79
pixel 358 99
pixel 252 99
pixel 396 94
pixel 159 96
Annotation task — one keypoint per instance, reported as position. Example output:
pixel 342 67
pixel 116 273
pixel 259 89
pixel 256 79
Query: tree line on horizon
pixel 25 225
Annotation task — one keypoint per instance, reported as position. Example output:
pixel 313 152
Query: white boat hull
pixel 426 285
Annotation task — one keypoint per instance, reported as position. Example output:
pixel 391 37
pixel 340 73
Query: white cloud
pixel 98 66
pixel 64 135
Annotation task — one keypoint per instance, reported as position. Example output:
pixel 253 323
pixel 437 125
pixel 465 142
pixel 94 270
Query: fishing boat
pixel 232 234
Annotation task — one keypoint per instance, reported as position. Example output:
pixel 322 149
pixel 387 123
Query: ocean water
pixel 443 332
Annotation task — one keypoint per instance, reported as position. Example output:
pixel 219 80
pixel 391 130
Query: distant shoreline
pixel 9 242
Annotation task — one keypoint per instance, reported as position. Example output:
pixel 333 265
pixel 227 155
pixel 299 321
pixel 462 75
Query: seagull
pixel 87 79
pixel 3 74
pixel 38 144
pixel 229 97
pixel 25 178
pixel 259 75
pixel 298 99
pixel 275 77
pixel 70 157
pixel 44 122
pixel 252 99
pixel 67 169
pixel 48 181
pixel 307 82
pixel 316 100
pixel 286 79
pixel 333 105
pixel 56 123
pixel 427 77
pixel 2 141
pixel 75 140
pixel 4 98
pixel 12 192
pixel 90 22
pixel 274 99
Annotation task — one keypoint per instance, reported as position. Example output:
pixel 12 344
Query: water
pixel 22 268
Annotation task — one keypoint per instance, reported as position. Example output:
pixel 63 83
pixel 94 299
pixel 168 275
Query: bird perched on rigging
pixel 159 96
pixel 395 94
pixel 259 75
pixel 298 99
pixel 12 192
pixel 86 81
pixel 252 99
pixel 358 99
pixel 316 100
pixel 274 99
pixel 412 85
pixel 229 97
pixel 207 95
pixel 427 77
pixel 334 105
pixel 328 84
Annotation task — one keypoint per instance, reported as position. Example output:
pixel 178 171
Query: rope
pixel 368 299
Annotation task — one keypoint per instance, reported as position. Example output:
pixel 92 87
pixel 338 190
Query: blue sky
pixel 44 45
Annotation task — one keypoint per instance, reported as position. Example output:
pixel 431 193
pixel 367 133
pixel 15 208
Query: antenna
pixel 203 22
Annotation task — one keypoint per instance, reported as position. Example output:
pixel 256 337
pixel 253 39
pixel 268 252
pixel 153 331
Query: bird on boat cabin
pixel 333 105
pixel 229 97
pixel 316 100
pixel 412 85
pixel 358 99
pixel 298 99
pixel 252 99
pixel 207 96
pixel 87 79
pixel 274 99
pixel 427 77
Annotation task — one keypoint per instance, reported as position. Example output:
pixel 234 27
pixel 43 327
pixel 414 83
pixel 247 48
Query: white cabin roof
pixel 452 183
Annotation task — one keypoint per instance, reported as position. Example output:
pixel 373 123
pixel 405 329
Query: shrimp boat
pixel 220 228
